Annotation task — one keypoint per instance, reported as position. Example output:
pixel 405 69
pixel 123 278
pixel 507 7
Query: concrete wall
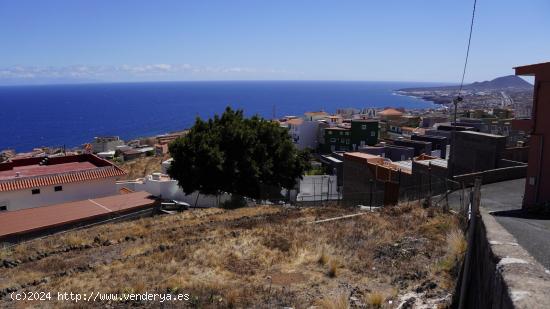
pixel 22 199
pixel 520 154
pixel 360 181
pixel 357 185
pixel 503 274
pixel 317 188
pixel 169 189
pixel 438 143
pixel 420 147
pixel 495 175
pixel 475 152
pixel 392 152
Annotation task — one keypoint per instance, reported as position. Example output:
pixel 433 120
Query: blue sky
pixel 394 40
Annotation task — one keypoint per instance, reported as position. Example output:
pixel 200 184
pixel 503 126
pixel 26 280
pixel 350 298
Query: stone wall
pixel 502 273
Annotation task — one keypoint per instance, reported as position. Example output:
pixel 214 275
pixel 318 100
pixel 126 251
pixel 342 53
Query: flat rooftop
pixel 436 162
pixel 361 156
pixel 19 222
pixel 404 166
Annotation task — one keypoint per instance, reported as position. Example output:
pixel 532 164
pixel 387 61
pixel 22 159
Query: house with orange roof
pixel 315 116
pixel 390 114
pixel 42 181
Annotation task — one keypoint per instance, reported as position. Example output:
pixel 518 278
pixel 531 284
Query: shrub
pixel 339 301
pixel 375 300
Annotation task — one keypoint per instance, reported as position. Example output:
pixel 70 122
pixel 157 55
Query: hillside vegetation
pixel 267 257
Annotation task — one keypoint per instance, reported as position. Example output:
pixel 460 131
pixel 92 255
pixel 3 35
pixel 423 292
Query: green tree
pixel 243 156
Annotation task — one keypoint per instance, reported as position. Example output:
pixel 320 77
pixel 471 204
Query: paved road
pixel 504 200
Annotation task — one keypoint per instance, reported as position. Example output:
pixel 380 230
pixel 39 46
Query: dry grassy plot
pixel 251 257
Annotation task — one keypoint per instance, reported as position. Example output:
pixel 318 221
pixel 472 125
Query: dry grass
pixel 219 256
pixel 333 268
pixel 375 300
pixel 339 301
pixel 456 244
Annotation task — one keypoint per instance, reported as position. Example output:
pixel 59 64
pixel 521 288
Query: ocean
pixel 71 115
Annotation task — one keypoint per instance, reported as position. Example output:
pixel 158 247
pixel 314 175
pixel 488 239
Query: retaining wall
pixel 502 273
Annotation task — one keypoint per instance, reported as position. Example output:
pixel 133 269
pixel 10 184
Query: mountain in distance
pixel 510 82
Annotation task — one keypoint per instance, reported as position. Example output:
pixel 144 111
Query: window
pixel 35 191
pixel 58 188
pixel 333 140
pixel 373 133
pixel 347 133
pixel 329 132
pixel 363 127
pixel 3 208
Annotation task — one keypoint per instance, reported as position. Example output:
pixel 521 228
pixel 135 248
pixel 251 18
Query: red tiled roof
pixel 33 170
pixel 321 113
pixel 363 157
pixel 35 219
pixel 390 112
pixel 295 121
pixel 36 172
pixel 50 180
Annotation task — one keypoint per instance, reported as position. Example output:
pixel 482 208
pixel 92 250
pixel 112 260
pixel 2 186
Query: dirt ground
pixel 259 257
pixel 141 167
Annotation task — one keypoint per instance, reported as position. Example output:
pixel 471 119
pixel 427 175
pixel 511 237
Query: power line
pixel 459 98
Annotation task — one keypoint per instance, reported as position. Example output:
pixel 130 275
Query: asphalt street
pixel 503 200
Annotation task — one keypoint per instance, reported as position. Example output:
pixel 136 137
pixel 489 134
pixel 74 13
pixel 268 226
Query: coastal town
pixel 275 154
pixel 411 145
pixel 392 137
pixel 360 161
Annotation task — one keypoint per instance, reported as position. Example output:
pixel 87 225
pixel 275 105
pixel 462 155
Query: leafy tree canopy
pixel 234 154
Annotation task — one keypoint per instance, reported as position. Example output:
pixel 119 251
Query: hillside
pixel 510 82
pixel 268 257
pixel 504 82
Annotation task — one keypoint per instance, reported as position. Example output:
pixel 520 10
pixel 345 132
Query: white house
pixel 162 186
pixel 315 116
pixel 35 182
pixel 304 133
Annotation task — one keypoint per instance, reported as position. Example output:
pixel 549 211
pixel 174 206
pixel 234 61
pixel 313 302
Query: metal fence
pixel 433 189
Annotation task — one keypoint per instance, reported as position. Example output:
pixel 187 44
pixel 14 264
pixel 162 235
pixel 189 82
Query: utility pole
pixel 457 100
